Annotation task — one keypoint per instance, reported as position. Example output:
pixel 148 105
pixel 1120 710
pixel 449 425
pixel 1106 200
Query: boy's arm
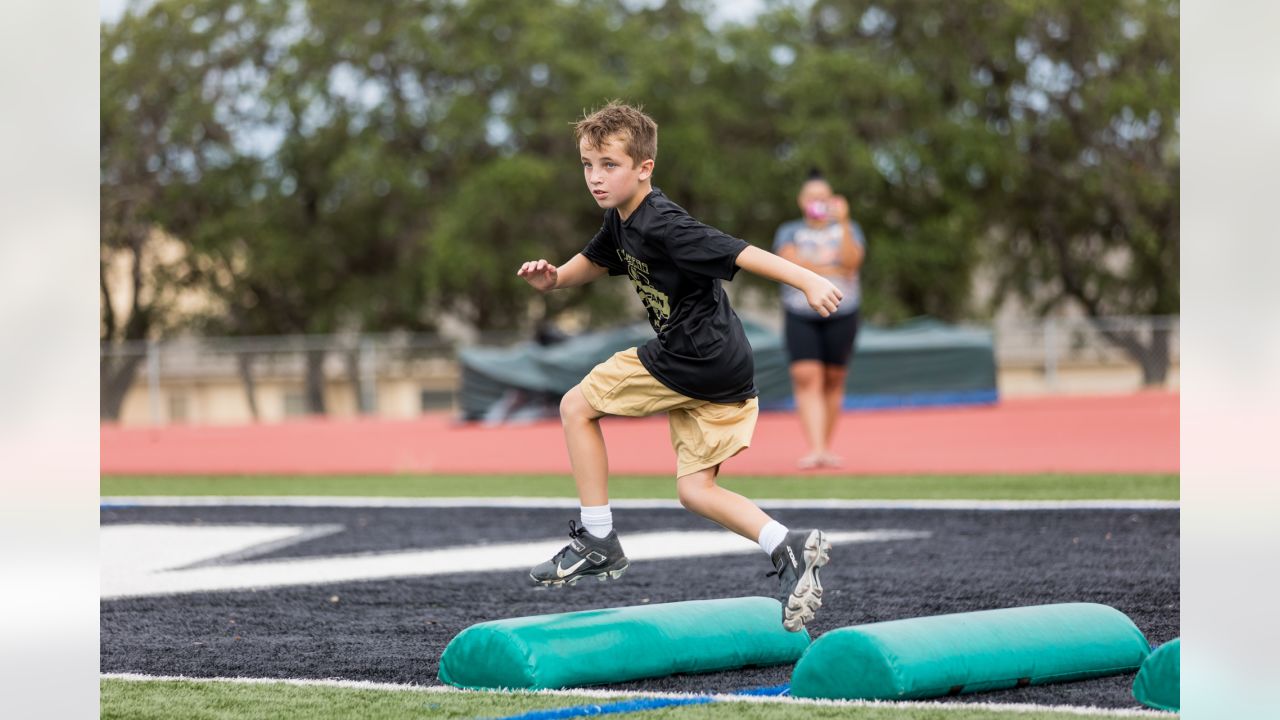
pixel 823 296
pixel 545 276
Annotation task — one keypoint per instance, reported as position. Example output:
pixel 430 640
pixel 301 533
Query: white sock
pixel 771 536
pixel 598 520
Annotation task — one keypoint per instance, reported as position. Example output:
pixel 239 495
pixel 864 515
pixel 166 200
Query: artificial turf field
pixel 894 487
pixel 391 630
pixel 163 699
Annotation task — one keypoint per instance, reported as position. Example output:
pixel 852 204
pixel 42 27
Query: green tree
pixel 1091 214
pixel 165 155
pixel 873 95
pixel 338 167
pixel 1039 137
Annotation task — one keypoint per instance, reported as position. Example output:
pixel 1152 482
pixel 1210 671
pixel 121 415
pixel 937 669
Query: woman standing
pixel 829 243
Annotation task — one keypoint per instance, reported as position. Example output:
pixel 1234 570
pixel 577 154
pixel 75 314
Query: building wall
pixel 1076 380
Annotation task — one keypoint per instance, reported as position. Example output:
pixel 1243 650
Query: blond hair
pixel 638 131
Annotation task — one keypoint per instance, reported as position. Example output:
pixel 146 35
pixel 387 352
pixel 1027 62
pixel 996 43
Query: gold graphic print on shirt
pixel 654 300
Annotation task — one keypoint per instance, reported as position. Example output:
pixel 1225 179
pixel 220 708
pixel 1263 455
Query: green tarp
pixel 924 362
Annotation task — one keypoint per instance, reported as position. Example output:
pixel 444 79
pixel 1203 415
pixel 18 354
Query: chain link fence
pixel 1055 346
pixel 267 378
pixel 231 380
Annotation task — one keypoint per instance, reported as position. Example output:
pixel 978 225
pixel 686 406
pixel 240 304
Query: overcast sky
pixel 111 10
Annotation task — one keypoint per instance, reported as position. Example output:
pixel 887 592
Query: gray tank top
pixel 820 246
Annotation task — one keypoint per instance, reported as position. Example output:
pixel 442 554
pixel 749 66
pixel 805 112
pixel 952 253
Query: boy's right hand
pixel 541 274
pixel 823 296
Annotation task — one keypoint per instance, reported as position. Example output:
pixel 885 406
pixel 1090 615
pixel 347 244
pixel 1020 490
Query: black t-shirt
pixel 676 264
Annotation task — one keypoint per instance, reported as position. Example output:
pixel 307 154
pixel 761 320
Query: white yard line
pixel 161 559
pixel 572 503
pixel 1011 708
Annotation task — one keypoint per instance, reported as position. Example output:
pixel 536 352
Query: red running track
pixel 1109 434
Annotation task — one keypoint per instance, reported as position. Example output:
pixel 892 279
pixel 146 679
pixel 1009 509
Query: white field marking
pixel 592 694
pixel 572 503
pixel 130 555
pixel 306 533
pixel 166 559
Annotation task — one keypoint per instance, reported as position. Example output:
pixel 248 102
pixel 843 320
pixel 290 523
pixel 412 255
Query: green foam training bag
pixel 594 647
pixel 969 652
pixel 1159 682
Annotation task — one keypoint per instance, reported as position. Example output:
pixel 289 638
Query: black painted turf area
pixel 394 631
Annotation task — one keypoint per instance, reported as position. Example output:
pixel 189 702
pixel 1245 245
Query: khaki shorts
pixel 704 434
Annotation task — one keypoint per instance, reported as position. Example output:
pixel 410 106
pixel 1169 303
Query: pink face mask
pixel 816 210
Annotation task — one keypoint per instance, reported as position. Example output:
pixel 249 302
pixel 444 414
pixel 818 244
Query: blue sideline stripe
pixel 640 705
pixel 626 706
pixel 919 399
pixel 115 506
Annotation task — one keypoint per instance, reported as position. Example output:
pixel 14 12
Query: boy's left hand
pixel 541 274
pixel 823 296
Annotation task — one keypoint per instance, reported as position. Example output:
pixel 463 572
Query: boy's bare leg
pixel 593 550
pixel 699 493
pixel 807 384
pixel 806 551
pixel 586 448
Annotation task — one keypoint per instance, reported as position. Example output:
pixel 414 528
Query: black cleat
pixel 796 562
pixel 585 555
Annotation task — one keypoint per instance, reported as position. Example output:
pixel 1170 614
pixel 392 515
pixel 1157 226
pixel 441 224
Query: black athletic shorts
pixel 828 340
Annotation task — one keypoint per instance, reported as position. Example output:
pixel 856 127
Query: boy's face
pixel 612 176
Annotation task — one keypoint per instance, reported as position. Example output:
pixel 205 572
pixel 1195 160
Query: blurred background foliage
pixel 327 166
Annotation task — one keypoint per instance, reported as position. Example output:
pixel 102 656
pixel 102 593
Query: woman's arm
pixel 851 252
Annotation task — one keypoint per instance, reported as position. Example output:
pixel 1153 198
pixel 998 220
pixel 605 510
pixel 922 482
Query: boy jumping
pixel 698 369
